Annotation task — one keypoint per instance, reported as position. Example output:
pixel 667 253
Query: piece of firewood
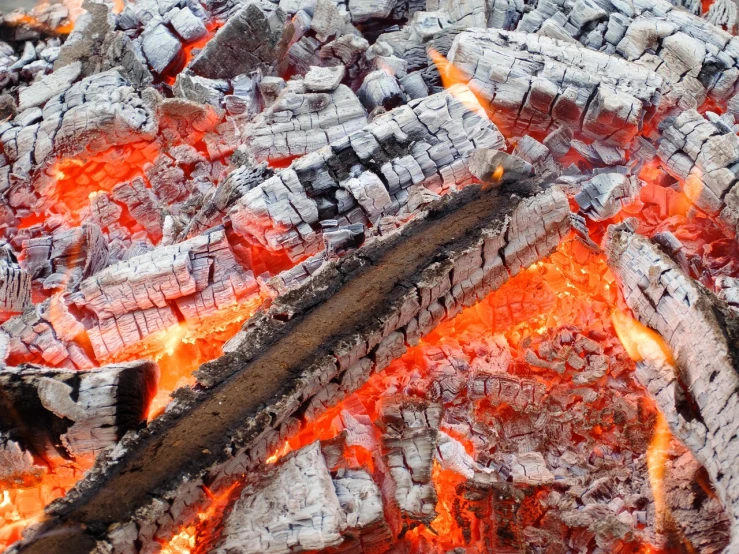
pixel 67 256
pixel 365 175
pixel 699 395
pixel 15 284
pixel 250 39
pixel 409 436
pixel 600 96
pixel 73 413
pixel 297 505
pixel 703 153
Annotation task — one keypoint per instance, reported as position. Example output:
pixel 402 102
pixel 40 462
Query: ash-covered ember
pixel 169 168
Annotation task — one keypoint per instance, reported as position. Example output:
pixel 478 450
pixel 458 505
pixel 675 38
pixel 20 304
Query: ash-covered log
pixel 350 319
pixel 697 390
pixel 73 413
pixel 532 83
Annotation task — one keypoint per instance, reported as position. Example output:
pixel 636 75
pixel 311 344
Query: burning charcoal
pixel 75 412
pixel 380 89
pixel 66 257
pixel 189 26
pixel 143 295
pixel 280 213
pixel 323 79
pixel 361 10
pixel 410 433
pixel 250 39
pixel 606 193
pixel 16 464
pixel 537 100
pixel 342 238
pixel 414 86
pixel 160 46
pixel 698 391
pixel 297 506
pixel 200 89
pixel 299 122
pixel 559 142
pixel 704 156
pixel 48 87
pixel 270 89
pixel 15 284
pixel 142 205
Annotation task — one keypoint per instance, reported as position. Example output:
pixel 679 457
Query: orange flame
pixel 656 461
pixel 640 342
pixel 457 83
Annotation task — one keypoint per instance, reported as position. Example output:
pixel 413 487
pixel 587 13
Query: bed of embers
pixel 186 183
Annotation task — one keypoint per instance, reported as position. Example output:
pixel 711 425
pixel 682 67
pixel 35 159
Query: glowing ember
pixel 656 459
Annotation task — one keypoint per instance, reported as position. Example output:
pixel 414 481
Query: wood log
pixel 297 505
pixel 596 95
pixel 695 58
pixel 73 413
pixel 409 437
pixel 422 144
pixel 699 393
pixel 509 246
pixel 703 154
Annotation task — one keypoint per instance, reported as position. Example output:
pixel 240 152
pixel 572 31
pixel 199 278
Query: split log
pixel 297 505
pixel 360 321
pixel 699 395
pixel 703 154
pixel 410 432
pixel 422 144
pixel 74 413
pixel 531 83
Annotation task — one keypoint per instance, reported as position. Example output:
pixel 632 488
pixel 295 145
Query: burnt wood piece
pixel 704 154
pixel 410 433
pixel 146 294
pixel 357 312
pixel 17 467
pixel 46 332
pixel 72 413
pixel 300 121
pixel 370 173
pixel 696 59
pixel 93 115
pixel 297 505
pixel 67 256
pixel 699 395
pixel 15 284
pixel 608 191
pixel 249 40
pixel 556 83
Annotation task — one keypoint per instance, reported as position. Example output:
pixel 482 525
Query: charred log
pixel 392 314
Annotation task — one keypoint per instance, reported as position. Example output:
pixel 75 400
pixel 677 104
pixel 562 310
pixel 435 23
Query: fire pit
pixel 377 276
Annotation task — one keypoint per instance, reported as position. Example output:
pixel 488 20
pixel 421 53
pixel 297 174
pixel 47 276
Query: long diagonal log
pixel 699 395
pixel 312 346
